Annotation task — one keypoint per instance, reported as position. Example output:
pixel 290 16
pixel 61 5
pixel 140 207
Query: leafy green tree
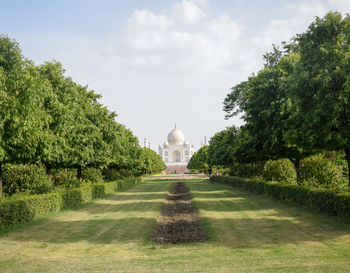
pixel 21 115
pixel 74 136
pixel 199 160
pixel 125 149
pixel 221 147
pixel 268 111
pixel 322 84
pixel 150 162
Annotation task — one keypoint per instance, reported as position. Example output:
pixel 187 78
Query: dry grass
pixel 250 233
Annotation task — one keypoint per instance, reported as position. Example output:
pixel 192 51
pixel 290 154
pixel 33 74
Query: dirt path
pixel 180 221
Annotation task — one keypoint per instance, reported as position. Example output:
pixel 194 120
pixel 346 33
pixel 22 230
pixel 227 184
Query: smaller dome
pixel 176 137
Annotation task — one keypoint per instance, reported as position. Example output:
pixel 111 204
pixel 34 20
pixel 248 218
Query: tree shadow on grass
pixel 130 205
pixel 214 194
pixel 138 196
pixel 101 231
pixel 258 233
pixel 258 221
pixel 226 205
pixel 228 232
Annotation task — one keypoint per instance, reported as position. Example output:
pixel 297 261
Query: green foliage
pixel 221 147
pixel 74 197
pixel 318 199
pixel 318 171
pixel 150 162
pixel 54 121
pixel 19 209
pixel 110 174
pixel 321 84
pixel 341 163
pixel 30 179
pixel 247 170
pixel 66 178
pixel 298 104
pixel 281 170
pixel 25 208
pixel 199 160
pixel 92 175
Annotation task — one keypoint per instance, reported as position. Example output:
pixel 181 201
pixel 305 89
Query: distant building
pixel 176 151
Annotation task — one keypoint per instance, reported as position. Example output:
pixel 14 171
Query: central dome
pixel 176 137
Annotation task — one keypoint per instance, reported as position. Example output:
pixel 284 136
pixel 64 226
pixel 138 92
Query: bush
pixel 320 172
pixel 319 199
pixel 342 164
pixel 126 173
pixel 92 175
pixel 66 178
pixel 25 208
pixel 29 179
pixel 18 209
pixel 111 175
pixel 248 170
pixel 281 170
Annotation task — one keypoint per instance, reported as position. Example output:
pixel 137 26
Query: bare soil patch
pixel 180 221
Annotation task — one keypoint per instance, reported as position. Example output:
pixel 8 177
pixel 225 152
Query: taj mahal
pixel 176 151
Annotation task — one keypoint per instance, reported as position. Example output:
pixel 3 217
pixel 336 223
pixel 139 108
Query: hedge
pixel 320 200
pixel 22 209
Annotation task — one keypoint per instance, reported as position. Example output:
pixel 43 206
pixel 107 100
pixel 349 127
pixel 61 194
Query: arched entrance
pixel 177 156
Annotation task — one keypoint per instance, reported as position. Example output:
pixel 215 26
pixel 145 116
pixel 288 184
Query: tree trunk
pixel 0 179
pixel 296 163
pixel 48 169
pixel 79 173
pixel 347 157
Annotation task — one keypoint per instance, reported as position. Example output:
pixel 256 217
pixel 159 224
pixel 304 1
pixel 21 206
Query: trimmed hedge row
pixel 320 200
pixel 26 208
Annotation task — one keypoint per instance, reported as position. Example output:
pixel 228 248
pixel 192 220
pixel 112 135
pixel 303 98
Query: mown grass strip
pixel 253 233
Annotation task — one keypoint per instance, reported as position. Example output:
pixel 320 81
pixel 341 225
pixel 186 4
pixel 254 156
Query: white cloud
pixel 187 11
pixel 205 47
pixel 174 66
pixel 343 5
pixel 295 19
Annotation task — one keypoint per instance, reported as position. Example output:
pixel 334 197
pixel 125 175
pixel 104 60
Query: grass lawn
pixel 250 233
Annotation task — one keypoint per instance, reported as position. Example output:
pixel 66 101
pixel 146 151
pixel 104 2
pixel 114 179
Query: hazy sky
pixel 159 62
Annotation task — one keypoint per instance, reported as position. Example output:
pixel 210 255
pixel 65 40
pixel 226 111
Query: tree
pixel 21 115
pixel 150 162
pixel 221 147
pixel 322 84
pixel 74 135
pixel 199 160
pixel 268 112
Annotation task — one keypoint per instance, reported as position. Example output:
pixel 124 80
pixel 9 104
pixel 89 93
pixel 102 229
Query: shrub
pixel 111 174
pixel 66 178
pixel 248 170
pixel 18 209
pixel 126 173
pixel 25 208
pixel 317 171
pixel 319 199
pixel 341 163
pixel 281 170
pixel 92 175
pixel 29 179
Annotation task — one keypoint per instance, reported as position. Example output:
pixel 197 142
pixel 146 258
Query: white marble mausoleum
pixel 176 150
